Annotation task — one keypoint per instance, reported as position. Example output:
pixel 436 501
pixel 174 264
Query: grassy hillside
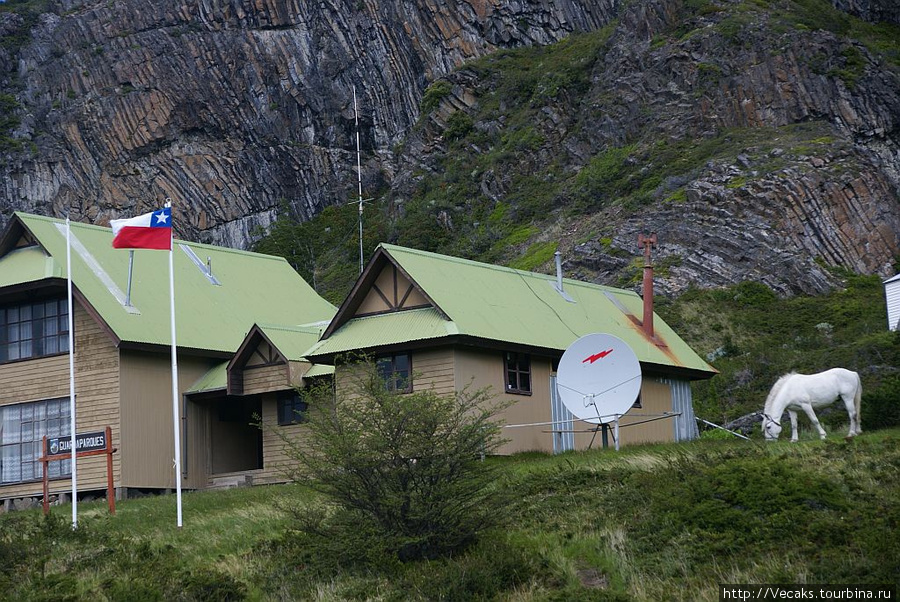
pixel 647 523
pixel 510 186
pixel 752 337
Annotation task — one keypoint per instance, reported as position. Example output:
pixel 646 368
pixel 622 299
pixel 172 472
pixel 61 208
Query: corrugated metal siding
pixel 562 421
pixel 685 425
pixel 892 295
pixel 147 438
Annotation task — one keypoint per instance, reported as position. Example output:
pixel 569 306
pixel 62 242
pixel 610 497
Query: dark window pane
pixel 524 382
pixel 524 363
pixel 384 367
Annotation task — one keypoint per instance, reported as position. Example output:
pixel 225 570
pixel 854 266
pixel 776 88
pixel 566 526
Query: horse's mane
pixel 775 389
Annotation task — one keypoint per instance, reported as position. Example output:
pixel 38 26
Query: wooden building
pixel 122 355
pixel 444 323
pixel 251 332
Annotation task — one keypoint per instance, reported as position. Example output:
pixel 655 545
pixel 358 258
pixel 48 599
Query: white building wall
pixel 892 294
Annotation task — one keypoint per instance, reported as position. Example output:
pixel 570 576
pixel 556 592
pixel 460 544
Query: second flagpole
pixel 175 405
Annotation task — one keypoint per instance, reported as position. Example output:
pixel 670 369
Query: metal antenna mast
pixel 359 179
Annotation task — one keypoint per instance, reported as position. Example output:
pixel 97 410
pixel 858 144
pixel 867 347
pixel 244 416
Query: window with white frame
pixel 34 329
pixel 22 429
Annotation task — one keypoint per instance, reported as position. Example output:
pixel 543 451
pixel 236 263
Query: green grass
pixel 647 523
pixel 752 337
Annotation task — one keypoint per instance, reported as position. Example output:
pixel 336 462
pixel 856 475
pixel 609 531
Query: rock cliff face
pixel 782 216
pixel 234 109
pixel 231 108
pixel 812 182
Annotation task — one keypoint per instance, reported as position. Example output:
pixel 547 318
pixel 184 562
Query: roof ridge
pixel 289 328
pixel 178 241
pixel 537 275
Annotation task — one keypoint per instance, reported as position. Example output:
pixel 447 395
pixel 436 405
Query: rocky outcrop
pixel 231 108
pixel 874 11
pixel 807 180
pixel 235 109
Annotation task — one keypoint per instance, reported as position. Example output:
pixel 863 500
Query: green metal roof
pixel 292 341
pixel 214 380
pixel 28 264
pixel 386 329
pixel 319 370
pixel 511 306
pixel 252 288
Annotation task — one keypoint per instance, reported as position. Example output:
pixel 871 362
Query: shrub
pixel 458 125
pixel 881 407
pixel 434 94
pixel 403 471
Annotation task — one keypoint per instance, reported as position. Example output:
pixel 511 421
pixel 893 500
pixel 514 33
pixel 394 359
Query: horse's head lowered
pixel 771 428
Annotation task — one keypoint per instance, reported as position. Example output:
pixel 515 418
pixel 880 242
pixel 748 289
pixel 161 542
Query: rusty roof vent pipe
pixel 648 242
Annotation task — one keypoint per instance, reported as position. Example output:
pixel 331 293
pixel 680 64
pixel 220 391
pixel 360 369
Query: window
pixel 291 408
pixel 34 330
pixel 395 371
pixel 22 428
pixel 518 373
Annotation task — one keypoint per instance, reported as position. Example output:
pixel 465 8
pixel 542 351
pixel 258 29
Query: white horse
pixel 794 392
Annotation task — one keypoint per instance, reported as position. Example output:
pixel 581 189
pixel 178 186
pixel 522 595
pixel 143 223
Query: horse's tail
pixel 857 397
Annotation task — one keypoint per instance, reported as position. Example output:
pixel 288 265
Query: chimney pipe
pixel 648 242
pixel 559 275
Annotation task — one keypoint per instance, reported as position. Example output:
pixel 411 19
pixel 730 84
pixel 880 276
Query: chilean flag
pixel 147 231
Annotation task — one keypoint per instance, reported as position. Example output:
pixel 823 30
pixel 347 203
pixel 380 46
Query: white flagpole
pixel 175 404
pixel 71 312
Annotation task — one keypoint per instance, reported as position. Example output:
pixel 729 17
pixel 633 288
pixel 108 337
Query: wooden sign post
pixel 86 444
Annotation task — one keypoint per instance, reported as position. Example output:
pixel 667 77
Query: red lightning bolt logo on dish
pixel 596 356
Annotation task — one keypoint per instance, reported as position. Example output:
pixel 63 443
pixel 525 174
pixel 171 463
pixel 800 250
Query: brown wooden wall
pixel 393 292
pixel 96 398
pixel 485 368
pixel 263 379
pixel 434 369
pixel 274 458
pixel 147 448
pixel 656 398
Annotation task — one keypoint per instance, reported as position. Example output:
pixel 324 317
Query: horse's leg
pixel 850 404
pixel 793 416
pixel 812 418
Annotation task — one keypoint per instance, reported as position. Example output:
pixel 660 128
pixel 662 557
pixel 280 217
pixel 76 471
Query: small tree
pixel 404 467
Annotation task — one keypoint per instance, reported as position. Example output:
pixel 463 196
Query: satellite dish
pixel 599 378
